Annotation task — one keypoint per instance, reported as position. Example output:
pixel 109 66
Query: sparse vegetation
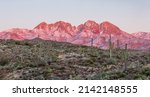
pixel 39 59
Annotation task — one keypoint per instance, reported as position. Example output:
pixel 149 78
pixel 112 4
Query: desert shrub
pixel 120 74
pixel 146 71
pixel 88 62
pixel 17 66
pixel 49 70
pixel 111 61
pixel 105 54
pixel 109 76
pixel 53 58
pixel 3 62
pixel 27 44
pixel 4 59
pixel 143 62
pixel 57 67
pixel 82 49
pixel 77 77
pixel 18 43
pixel 140 77
pixel 119 57
pixel 101 76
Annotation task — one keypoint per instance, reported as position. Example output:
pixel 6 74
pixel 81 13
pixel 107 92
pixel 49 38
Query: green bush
pixel 139 77
pixel 3 62
pixel 111 61
pixel 146 71
pixel 101 76
pixel 18 43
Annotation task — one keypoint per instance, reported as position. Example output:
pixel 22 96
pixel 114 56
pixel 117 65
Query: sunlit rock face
pixel 88 33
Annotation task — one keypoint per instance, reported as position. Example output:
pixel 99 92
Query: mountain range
pixel 90 33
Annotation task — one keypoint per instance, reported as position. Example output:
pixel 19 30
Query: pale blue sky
pixel 129 15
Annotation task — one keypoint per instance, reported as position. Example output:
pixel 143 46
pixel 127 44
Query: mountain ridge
pixel 143 35
pixel 89 33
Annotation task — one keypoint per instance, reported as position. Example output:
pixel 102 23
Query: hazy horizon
pixel 129 15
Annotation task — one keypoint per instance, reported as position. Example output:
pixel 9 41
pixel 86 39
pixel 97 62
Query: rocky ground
pixel 48 60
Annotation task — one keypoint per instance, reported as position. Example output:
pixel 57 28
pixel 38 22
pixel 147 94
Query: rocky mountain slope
pixel 90 33
pixel 48 60
pixel 142 35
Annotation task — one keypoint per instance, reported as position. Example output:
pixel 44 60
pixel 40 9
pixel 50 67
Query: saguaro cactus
pixel 125 56
pixel 92 41
pixel 110 47
pixel 118 44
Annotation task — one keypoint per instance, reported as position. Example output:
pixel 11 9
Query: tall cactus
pixel 92 41
pixel 110 47
pixel 118 44
pixel 125 56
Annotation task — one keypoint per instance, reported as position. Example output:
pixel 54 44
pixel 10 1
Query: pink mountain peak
pixel 110 28
pixel 62 24
pixel 64 32
pixel 64 27
pixel 90 23
pixel 89 26
pixel 59 26
pixel 42 25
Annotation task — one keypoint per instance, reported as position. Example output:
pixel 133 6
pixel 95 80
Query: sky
pixel 130 15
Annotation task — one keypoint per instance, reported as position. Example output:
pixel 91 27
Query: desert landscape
pixel 60 51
